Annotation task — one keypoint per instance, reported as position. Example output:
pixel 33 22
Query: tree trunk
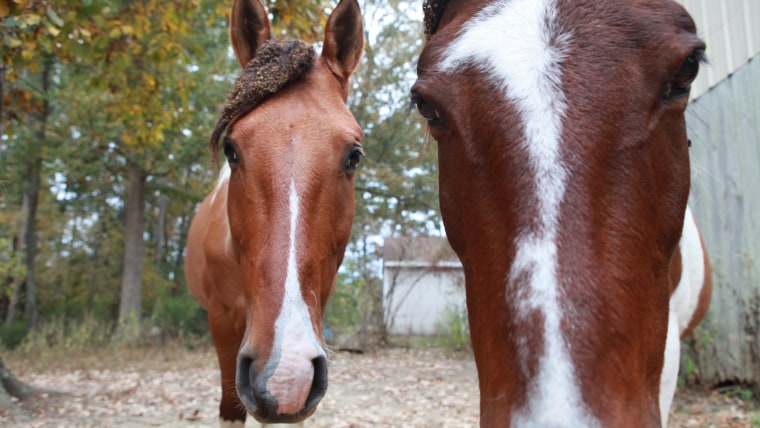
pixel 160 233
pixel 130 306
pixel 28 232
pixel 31 197
pixel 2 105
pixel 18 279
pixel 32 192
pixel 27 248
pixel 95 261
pixel 12 387
pixel 373 326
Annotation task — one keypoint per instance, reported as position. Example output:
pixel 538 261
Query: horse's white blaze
pixel 295 344
pixel 683 304
pixel 519 44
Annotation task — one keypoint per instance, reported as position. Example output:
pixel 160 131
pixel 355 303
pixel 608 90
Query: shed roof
pixel 419 251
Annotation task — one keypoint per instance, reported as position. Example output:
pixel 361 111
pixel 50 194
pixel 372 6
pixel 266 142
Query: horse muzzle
pixel 286 390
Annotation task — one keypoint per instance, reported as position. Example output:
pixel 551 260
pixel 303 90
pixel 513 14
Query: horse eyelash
pixel 702 57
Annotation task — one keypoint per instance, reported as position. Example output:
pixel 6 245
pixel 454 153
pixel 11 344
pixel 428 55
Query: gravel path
pixel 389 388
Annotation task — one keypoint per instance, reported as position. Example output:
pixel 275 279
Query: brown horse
pixel 564 177
pixel 264 248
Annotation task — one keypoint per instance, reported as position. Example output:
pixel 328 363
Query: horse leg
pixel 227 341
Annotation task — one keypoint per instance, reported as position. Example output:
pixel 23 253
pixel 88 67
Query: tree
pixel 10 386
pixel 397 187
pixel 29 33
pixel 139 76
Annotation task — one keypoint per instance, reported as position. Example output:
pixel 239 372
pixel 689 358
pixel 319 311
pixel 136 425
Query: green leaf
pixel 11 41
pixel 10 22
pixel 54 18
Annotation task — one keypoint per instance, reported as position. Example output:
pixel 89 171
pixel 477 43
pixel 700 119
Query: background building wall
pixel 731 30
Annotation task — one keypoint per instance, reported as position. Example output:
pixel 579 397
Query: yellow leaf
pixel 85 32
pixel 32 19
pixel 127 29
pixel 53 30
pixel 5 9
pixel 115 33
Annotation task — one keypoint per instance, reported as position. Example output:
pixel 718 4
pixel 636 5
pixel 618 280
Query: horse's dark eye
pixel 684 77
pixel 426 110
pixel 231 152
pixel 353 159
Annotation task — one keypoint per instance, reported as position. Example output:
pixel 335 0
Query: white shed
pixel 423 286
pixel 723 123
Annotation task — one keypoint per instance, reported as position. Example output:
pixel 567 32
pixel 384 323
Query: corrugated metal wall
pixel 731 29
pixel 724 126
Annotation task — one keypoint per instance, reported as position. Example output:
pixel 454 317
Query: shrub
pixel 180 316
pixel 12 336
pixel 454 330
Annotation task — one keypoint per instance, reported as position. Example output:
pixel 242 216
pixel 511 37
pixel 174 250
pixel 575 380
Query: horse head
pixel 564 177
pixel 279 219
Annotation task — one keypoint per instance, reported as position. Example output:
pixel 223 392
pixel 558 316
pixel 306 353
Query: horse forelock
pixel 276 64
pixel 433 12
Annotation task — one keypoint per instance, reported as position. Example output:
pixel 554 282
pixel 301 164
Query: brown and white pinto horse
pixel 264 248
pixel 564 177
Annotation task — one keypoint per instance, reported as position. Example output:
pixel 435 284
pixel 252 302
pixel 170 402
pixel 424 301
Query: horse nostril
pixel 244 382
pixel 260 401
pixel 318 383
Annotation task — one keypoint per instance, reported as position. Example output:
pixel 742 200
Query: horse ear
pixel 344 39
pixel 249 29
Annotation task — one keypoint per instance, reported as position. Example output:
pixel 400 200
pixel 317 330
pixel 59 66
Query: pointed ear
pixel 249 29
pixel 344 39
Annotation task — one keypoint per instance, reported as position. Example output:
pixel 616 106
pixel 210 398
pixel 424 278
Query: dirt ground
pixel 389 388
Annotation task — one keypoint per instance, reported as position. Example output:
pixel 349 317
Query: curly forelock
pixel 277 63
pixel 433 10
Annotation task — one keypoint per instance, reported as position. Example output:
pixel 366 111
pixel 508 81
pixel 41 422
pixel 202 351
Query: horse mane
pixel 433 12
pixel 276 63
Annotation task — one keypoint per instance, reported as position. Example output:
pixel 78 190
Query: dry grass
pixel 110 357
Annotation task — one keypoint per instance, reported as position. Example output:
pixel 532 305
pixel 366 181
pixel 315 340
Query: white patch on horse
pixel 231 424
pixel 685 298
pixel 224 176
pixel 282 425
pixel 519 45
pixel 683 304
pixel 669 375
pixel 295 344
